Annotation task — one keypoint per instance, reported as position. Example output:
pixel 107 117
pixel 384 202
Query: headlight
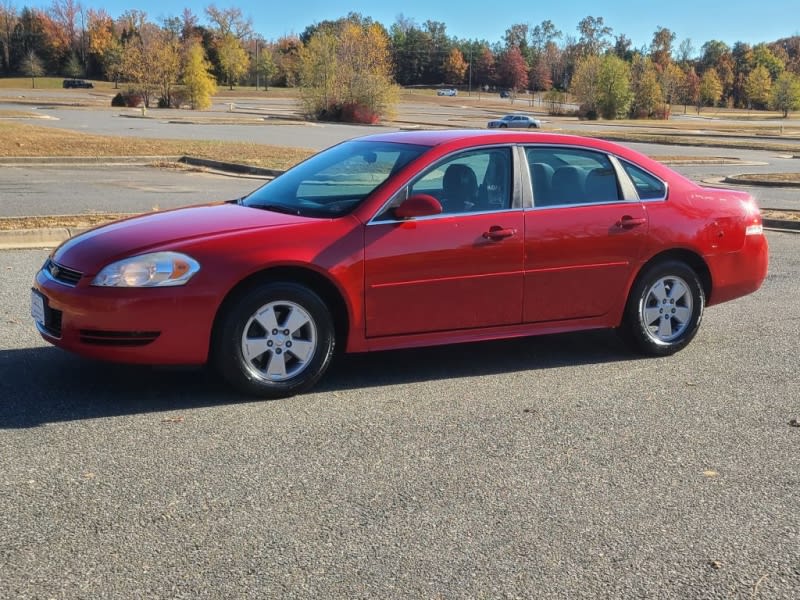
pixel 159 269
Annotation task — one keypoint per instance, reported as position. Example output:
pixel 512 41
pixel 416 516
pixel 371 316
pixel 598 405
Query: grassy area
pixel 25 140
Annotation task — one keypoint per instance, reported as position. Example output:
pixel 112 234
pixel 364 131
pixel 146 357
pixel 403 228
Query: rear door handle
pixel 628 221
pixel 497 233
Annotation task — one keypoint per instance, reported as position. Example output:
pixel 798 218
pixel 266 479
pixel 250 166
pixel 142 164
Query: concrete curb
pixel 46 237
pixel 85 160
pixel 754 180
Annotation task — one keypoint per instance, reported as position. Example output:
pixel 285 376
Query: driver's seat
pixel 459 189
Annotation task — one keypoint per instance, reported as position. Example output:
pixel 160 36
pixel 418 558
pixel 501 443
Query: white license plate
pixel 37 307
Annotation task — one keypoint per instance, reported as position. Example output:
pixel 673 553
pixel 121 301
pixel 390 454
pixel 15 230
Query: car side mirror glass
pixel 418 205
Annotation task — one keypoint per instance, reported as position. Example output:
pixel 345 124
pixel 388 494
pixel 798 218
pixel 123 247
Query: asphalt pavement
pixel 551 467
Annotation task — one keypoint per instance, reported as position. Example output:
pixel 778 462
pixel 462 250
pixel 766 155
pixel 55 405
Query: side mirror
pixel 418 205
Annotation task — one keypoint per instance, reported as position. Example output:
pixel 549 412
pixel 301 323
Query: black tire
pixel 503 126
pixel 664 309
pixel 303 353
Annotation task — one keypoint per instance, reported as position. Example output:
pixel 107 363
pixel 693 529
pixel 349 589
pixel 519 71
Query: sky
pixel 750 21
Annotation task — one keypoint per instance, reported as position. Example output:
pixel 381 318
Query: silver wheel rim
pixel 279 341
pixel 667 309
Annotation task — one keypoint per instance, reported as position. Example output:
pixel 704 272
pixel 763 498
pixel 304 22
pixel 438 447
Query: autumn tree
pixel 234 62
pixel 485 68
pixel 758 86
pixel 321 87
pixel 197 78
pixel 661 47
pixel 690 92
pixel 455 67
pixel 513 71
pixel 710 89
pixel 151 59
pixel 672 79
pixel 786 93
pixel 286 54
pixel 346 74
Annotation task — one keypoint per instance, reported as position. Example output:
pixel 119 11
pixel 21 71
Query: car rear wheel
pixel 664 309
pixel 275 341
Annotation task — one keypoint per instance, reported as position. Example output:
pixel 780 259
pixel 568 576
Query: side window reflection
pixel 565 176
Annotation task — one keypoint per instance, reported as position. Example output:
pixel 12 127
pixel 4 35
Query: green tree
pixel 197 77
pixel 32 67
pixel 614 84
pixel 73 68
pixel 710 89
pixel 585 85
pixel 266 67
pixel 764 57
pixel 648 96
pixel 233 60
pixel 757 87
pixel 786 93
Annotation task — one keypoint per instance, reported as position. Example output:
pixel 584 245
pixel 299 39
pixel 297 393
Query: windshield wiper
pixel 279 208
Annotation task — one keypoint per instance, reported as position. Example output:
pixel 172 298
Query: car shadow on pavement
pixel 46 385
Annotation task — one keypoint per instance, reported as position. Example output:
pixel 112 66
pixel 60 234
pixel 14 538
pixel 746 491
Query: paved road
pixel 59 190
pixel 554 467
pixel 66 190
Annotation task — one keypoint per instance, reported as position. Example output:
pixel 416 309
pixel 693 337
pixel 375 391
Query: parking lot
pixel 552 467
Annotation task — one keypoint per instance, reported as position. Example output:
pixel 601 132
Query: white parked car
pixel 447 92
pixel 517 121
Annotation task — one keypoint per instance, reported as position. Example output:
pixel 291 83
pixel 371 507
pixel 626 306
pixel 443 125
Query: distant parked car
pixel 516 121
pixel 505 94
pixel 77 83
pixel 447 92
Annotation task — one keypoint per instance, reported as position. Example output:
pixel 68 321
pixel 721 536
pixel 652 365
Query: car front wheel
pixel 664 309
pixel 275 341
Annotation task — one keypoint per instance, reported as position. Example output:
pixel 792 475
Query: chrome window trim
pixel 516 188
pixel 621 160
pixel 625 181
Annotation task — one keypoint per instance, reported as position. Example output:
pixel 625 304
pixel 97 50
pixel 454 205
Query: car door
pixel 582 237
pixel 460 269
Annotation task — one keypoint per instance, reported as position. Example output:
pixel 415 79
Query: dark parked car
pixel 408 239
pixel 77 83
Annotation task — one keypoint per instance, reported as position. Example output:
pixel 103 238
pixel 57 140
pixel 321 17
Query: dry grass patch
pixel 25 140
pixel 68 221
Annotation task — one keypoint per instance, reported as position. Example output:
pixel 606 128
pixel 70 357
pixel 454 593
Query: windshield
pixel 335 181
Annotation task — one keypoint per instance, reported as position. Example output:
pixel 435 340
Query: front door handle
pixel 628 221
pixel 497 233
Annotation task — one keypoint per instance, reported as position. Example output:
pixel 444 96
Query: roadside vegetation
pixel 25 140
pixel 347 68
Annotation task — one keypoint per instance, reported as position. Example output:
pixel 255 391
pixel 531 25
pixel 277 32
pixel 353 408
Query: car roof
pixel 455 139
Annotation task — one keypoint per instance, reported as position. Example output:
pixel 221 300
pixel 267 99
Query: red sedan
pixel 401 240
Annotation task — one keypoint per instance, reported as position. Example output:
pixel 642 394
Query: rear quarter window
pixel 649 187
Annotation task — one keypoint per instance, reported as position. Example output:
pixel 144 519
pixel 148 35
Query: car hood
pixel 98 247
